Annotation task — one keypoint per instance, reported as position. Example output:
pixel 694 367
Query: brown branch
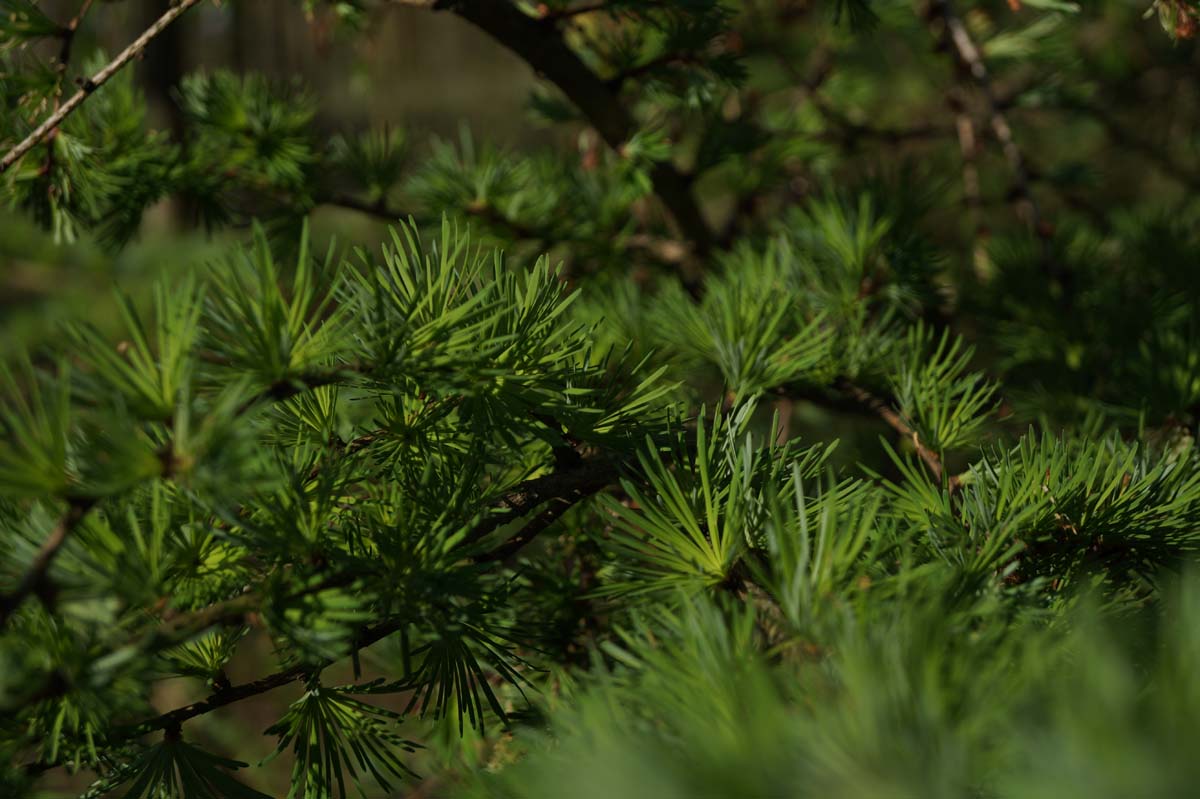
pixel 853 398
pixel 67 34
pixel 569 485
pixel 559 491
pixel 88 86
pixel 885 411
pixel 68 40
pixel 970 58
pixel 968 146
pixel 221 698
pixel 35 577
pixel 539 43
pixel 288 387
pixel 72 28
pixel 179 627
pixel 377 209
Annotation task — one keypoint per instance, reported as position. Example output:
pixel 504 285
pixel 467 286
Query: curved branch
pixel 539 43
pixel 87 87
pixel 34 579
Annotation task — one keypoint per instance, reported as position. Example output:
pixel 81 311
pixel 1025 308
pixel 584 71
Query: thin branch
pixel 288 387
pixel 179 627
pixel 35 577
pixel 560 491
pixel 885 411
pixel 227 696
pixel 377 209
pixel 849 132
pixel 853 398
pixel 968 146
pixel 67 34
pixel 88 86
pixel 574 483
pixel 641 70
pixel 970 58
pixel 68 40
pixel 1159 157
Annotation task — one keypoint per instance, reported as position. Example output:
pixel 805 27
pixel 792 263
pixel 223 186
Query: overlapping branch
pixel 556 492
pixel 228 696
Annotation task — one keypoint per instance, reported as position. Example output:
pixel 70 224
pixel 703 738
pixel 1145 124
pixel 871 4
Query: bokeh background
pixel 1136 152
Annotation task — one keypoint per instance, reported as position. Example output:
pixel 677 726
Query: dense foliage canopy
pixel 813 412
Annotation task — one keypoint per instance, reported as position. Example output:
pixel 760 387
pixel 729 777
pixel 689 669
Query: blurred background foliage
pixel 836 149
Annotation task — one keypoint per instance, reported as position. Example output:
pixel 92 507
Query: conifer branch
pixel 1159 157
pixel 90 85
pixel 559 491
pixel 853 398
pixel 68 40
pixel 538 42
pixel 227 696
pixel 572 483
pixel 968 146
pixel 288 387
pixel 643 69
pixel 884 411
pixel 970 58
pixel 34 579
pixel 36 576
pixel 376 209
